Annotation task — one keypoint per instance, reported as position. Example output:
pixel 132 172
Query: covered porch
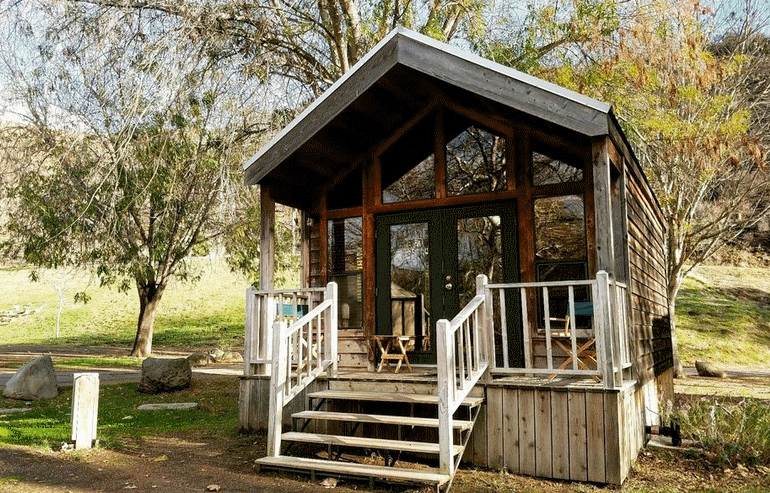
pixel 570 411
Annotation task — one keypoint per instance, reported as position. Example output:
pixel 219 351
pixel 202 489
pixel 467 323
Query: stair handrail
pixel 263 309
pixel 462 349
pixel 293 348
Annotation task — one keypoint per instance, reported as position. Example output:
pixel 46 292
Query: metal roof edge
pixel 326 94
pixel 555 89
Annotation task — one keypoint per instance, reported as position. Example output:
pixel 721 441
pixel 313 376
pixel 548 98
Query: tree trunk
pixel 673 290
pixel 149 297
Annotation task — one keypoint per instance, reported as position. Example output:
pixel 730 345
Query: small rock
pixel 216 354
pixel 173 406
pixel 706 369
pixel 329 483
pixel 15 410
pixel 164 375
pixel 231 357
pixel 35 380
pixel 213 487
pixel 200 358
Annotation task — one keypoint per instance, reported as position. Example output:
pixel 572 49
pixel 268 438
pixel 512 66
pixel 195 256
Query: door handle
pixel 448 286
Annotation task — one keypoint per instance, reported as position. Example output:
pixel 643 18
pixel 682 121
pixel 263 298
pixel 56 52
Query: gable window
pixel 408 171
pixel 550 168
pixel 475 160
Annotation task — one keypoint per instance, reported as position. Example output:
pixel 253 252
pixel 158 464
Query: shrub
pixel 732 431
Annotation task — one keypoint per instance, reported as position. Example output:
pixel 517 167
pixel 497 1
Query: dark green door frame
pixel 442 254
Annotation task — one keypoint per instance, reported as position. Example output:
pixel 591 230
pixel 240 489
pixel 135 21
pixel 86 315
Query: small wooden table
pixel 398 345
pixel 582 354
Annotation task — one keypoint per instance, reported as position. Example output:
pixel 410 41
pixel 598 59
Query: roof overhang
pixel 393 62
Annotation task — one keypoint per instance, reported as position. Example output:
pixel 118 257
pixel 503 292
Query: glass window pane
pixel 560 230
pixel 410 282
pixel 345 256
pixel 349 291
pixel 417 184
pixel 548 170
pixel 476 162
pixel 345 245
pixel 408 166
pixel 479 251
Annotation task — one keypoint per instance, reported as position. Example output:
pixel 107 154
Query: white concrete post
pixel 85 406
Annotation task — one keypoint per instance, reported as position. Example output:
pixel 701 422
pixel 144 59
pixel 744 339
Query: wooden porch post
pixel 266 274
pixel 605 248
pixel 266 239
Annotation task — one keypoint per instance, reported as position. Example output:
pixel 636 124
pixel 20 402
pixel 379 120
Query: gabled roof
pixel 389 85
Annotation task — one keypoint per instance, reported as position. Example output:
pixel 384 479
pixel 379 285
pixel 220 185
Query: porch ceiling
pixel 397 80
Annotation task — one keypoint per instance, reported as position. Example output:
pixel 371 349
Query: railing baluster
pixel 547 318
pixel 503 332
pixel 477 342
pixel 572 326
pixel 468 347
pixel 527 332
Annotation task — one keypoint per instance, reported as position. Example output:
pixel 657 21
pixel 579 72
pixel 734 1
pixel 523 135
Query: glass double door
pixel 427 263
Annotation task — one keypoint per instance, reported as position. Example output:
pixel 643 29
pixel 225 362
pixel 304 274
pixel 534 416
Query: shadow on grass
pixel 225 330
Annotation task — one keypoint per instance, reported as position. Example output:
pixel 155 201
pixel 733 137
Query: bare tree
pixel 129 145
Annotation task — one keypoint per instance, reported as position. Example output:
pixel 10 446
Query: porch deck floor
pixel 429 376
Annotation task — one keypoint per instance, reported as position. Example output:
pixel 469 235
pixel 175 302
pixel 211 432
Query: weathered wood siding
pixel 254 402
pixel 575 434
pixel 649 301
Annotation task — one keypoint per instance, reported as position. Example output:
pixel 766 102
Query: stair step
pixel 381 419
pixel 362 442
pixel 395 474
pixel 388 397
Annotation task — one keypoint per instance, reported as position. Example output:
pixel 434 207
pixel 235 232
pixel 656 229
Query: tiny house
pixel 483 278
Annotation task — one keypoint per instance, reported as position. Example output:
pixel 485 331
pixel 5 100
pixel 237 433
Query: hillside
pixel 723 315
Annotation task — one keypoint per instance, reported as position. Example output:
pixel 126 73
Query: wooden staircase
pixel 343 429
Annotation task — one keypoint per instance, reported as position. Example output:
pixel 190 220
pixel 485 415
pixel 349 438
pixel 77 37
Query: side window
pixel 561 250
pixel 345 267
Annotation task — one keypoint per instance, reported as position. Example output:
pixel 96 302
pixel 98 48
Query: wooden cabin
pixel 491 233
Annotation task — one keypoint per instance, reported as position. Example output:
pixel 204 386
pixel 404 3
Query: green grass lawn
pixel 723 315
pixel 47 424
pixel 209 312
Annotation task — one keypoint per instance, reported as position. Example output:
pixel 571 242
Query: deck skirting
pixel 575 431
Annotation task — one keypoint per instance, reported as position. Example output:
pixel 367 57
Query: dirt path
pixel 192 462
pixel 168 464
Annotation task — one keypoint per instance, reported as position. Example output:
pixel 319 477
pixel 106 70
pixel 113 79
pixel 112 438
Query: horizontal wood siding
pixel 354 350
pixel 649 301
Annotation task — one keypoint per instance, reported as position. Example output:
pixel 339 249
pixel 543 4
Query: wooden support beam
pixel 266 239
pixel 602 208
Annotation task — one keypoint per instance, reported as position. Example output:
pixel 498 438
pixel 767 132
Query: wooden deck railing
pixel 600 349
pixel 265 308
pixel 301 352
pixel 462 347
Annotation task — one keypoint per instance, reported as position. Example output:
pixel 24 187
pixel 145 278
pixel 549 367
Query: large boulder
pixel 35 380
pixel 706 369
pixel 164 375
